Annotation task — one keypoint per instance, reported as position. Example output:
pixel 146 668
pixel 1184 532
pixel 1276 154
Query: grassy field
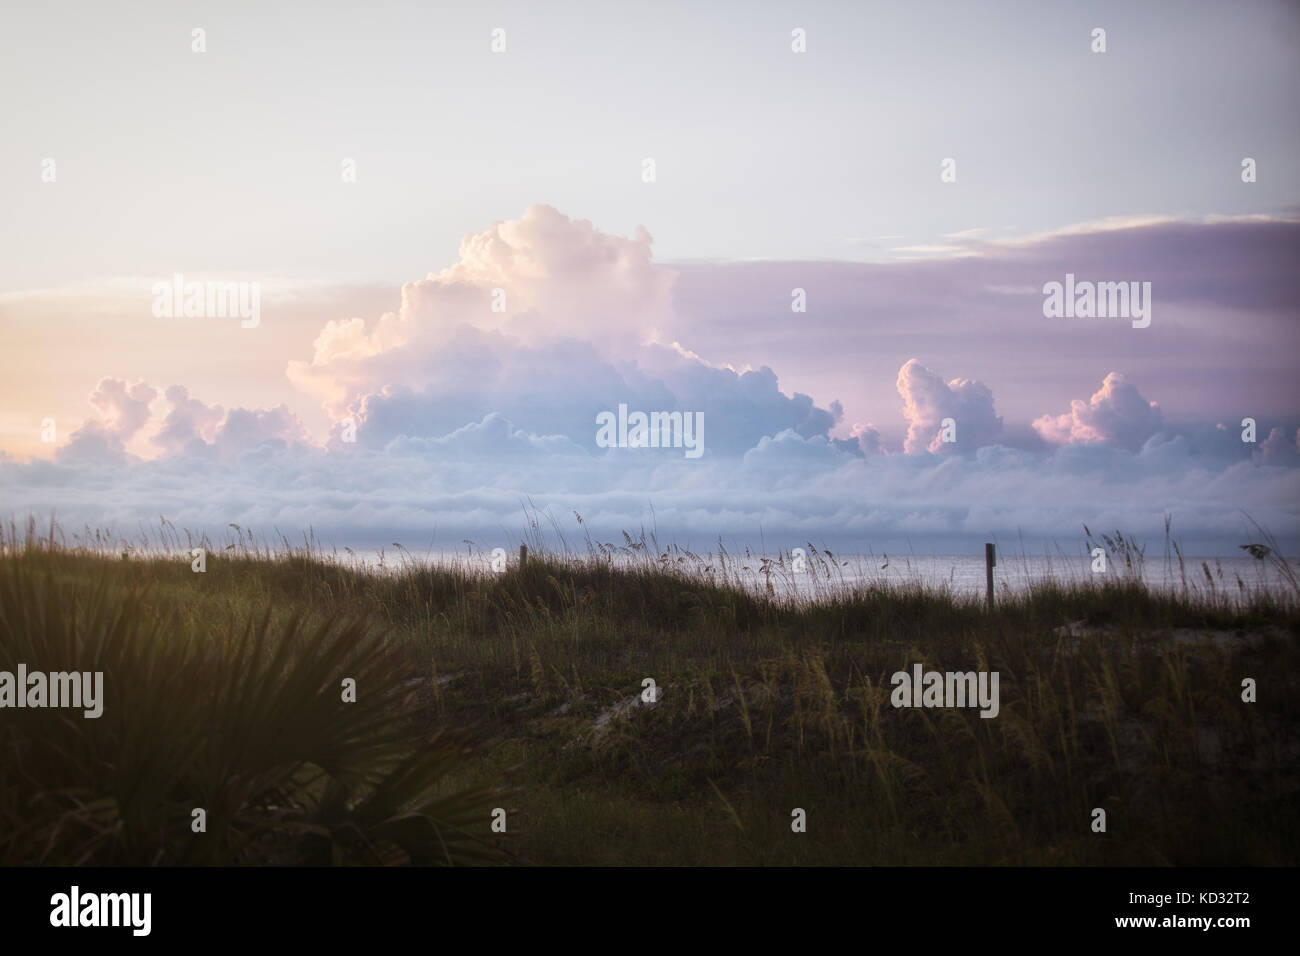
pixel 522 691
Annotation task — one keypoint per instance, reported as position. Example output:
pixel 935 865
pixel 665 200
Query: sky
pixel 913 178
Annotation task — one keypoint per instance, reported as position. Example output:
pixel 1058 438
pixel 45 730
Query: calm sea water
pixel 958 574
pixel 965 574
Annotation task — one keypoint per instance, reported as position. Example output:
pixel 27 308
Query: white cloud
pixel 928 400
pixel 472 483
pixel 551 277
pixel 492 438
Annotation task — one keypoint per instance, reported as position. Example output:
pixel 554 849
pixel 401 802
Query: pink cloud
pixel 928 400
pixel 124 408
pixel 188 420
pixel 189 427
pixel 525 281
pixel 1117 412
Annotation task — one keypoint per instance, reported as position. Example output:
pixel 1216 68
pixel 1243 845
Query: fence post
pixel 990 559
pixel 523 555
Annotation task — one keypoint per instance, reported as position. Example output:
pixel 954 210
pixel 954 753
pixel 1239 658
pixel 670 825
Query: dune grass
pixel 521 690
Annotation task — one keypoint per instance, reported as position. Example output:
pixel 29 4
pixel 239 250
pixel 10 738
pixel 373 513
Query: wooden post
pixel 523 556
pixel 990 559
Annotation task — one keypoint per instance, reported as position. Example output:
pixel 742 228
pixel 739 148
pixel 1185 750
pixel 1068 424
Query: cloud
pixel 492 438
pixel 868 438
pixel 463 413
pixel 928 400
pixel 1224 316
pixel 123 410
pixel 92 442
pixel 793 457
pixel 473 483
pixel 523 282
pixel 189 424
pixel 245 429
pixel 1117 412
pixel 578 336
pixel 190 428
pixel 1279 449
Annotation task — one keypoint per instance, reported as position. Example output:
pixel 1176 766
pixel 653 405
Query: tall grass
pixel 235 712
pixel 1113 696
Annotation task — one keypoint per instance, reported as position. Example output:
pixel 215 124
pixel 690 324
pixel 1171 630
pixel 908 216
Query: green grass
pixel 479 690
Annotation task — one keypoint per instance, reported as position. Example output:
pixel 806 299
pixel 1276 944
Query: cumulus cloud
pixel 792 456
pixel 1279 449
pixel 1117 412
pixel 245 429
pixel 788 490
pixel 189 424
pixel 123 410
pixel 522 282
pixel 577 337
pixel 561 276
pixel 868 438
pixel 492 438
pixel 463 412
pixel 189 428
pixel 92 442
pixel 928 400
